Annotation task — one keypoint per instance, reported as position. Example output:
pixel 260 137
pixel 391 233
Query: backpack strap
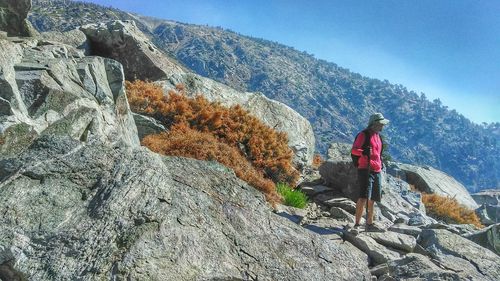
pixel 367 138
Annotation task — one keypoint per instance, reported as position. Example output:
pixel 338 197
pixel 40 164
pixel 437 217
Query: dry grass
pixel 187 142
pixel 449 210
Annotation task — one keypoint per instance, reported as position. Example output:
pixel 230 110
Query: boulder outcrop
pixel 460 255
pixel 13 20
pixel 51 89
pixel 124 42
pixel 430 180
pixel 489 197
pixel 75 38
pixel 488 237
pixel 489 210
pixel 77 211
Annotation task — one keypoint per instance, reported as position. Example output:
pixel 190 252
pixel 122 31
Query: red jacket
pixel 376 151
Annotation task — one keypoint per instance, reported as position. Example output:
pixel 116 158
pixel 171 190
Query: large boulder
pixel 378 253
pixel 341 176
pixel 489 210
pixel 460 255
pixel 488 196
pixel 13 14
pixel 430 180
pixel 11 102
pixel 147 125
pixel 75 38
pixel 76 211
pixel 419 267
pixel 124 42
pixel 488 237
pixel 50 89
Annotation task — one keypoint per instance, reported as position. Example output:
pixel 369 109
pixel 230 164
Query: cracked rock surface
pixel 81 200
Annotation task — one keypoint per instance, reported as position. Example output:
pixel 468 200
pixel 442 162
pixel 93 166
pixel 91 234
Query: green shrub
pixel 292 197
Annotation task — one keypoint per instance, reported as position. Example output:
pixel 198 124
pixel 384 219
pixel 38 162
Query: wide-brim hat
pixel 378 118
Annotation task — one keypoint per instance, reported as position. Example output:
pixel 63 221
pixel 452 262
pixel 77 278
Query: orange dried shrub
pixel 264 147
pixel 449 210
pixel 317 161
pixel 186 142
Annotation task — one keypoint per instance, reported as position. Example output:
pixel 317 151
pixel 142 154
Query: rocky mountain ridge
pixel 335 100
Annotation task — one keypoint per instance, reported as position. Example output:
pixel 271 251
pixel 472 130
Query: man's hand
pixel 366 151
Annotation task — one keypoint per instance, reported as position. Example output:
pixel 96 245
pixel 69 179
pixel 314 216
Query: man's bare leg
pixel 370 212
pixel 360 205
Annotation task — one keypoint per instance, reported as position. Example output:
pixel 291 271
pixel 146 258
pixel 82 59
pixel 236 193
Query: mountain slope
pixel 336 101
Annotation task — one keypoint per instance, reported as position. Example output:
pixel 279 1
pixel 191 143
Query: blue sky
pixel 447 49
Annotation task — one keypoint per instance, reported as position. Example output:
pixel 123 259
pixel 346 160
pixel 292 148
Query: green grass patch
pixel 292 197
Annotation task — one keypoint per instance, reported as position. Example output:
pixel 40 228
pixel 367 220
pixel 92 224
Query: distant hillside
pixel 335 100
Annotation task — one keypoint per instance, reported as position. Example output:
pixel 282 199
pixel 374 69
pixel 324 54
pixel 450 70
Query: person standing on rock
pixel 369 169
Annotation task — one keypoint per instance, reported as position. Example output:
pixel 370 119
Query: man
pixel 369 169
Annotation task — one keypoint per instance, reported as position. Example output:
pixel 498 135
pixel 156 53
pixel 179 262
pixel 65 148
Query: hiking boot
pixel 356 229
pixel 374 228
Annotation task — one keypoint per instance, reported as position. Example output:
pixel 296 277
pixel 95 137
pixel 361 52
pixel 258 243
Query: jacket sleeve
pixel 357 147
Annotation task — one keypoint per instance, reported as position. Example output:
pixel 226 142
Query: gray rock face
pixel 430 180
pixel 489 210
pixel 11 102
pixel 378 253
pixel 13 14
pixel 458 254
pixel 395 240
pixel 418 267
pixel 341 176
pixel 124 42
pixel 75 211
pixel 147 125
pixel 339 151
pixel 47 89
pixel 488 237
pixel 75 38
pixel 490 197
